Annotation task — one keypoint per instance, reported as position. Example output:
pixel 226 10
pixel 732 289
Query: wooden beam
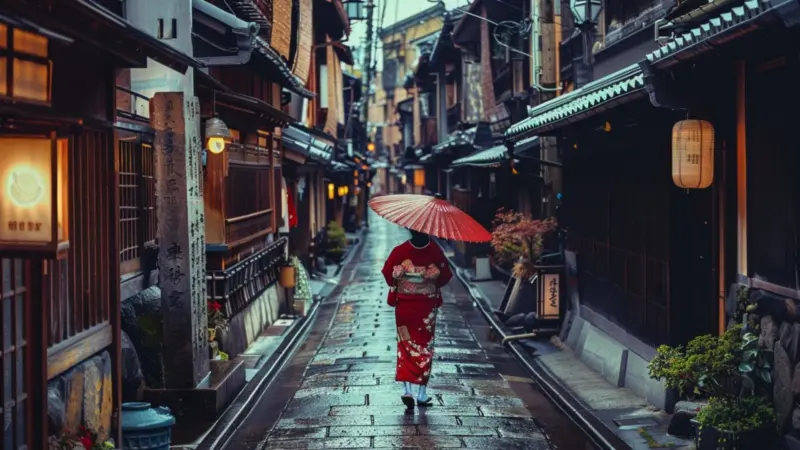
pixel 71 352
pixel 741 167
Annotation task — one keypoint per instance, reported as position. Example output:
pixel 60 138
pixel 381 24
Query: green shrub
pixel 337 240
pixel 737 415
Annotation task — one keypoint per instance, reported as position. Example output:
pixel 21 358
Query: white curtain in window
pixel 284 207
pixel 323 86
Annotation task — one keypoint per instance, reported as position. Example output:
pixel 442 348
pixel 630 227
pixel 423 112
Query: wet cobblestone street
pixel 338 390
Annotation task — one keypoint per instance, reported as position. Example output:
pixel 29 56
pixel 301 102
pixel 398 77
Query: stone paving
pixel 347 397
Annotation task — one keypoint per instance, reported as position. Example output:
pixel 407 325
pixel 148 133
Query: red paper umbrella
pixel 430 215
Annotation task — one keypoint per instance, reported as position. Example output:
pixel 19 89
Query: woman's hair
pixel 415 233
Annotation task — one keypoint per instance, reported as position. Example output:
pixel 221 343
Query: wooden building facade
pixel 61 249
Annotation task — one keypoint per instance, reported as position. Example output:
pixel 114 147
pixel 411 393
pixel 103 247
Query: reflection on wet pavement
pixel 347 396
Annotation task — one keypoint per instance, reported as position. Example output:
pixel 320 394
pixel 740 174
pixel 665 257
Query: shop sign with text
pixel 26 190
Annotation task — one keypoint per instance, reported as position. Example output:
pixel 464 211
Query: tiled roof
pixel 336 166
pixel 526 145
pixel 484 158
pixel 288 79
pixel 745 11
pixel 320 151
pixel 456 139
pixel 595 94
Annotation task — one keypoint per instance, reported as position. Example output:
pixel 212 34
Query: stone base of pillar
pixel 204 404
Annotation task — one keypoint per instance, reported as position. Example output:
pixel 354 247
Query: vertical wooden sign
pixel 181 237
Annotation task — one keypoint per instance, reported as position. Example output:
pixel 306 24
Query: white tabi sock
pixel 407 387
pixel 421 395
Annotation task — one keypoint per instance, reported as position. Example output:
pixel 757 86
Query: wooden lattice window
pixel 25 70
pixel 137 201
pixel 248 189
pixel 14 301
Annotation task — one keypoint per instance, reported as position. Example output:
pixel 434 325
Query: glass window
pixel 3 35
pixel 235 136
pixel 31 80
pixel 30 43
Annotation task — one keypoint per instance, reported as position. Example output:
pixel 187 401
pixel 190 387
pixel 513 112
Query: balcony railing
pixel 238 285
pixel 132 105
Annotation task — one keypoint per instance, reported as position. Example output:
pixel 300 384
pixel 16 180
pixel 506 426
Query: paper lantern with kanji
pixel 693 154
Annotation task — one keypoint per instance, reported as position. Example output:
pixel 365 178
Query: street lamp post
pixel 586 13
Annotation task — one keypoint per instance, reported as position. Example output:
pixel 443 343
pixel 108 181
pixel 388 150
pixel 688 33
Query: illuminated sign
pixel 551 287
pixel 26 189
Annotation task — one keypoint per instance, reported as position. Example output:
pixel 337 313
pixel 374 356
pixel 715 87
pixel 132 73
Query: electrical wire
pixel 509 28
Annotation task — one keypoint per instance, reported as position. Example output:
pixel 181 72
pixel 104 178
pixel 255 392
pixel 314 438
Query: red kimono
pixel 415 275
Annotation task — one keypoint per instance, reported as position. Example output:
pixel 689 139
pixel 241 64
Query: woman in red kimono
pixel 415 272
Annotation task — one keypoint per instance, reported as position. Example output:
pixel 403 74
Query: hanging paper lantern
pixel 693 154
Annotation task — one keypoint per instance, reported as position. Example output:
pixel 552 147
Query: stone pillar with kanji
pixel 175 118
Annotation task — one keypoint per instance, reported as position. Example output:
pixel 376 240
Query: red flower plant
pixel 216 318
pixel 518 240
pixel 85 438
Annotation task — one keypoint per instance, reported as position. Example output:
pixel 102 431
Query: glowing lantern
pixel 331 195
pixel 419 177
pixel 287 276
pixel 693 154
pixel 216 135
pixel 34 194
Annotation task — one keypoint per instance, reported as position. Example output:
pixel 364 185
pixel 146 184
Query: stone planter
pixel 710 438
pixel 671 397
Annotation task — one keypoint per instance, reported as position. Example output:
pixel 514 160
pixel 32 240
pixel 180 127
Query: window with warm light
pixel 419 177
pixel 331 193
pixel 25 71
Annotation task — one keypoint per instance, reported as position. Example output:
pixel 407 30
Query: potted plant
pixel 85 438
pixel 337 241
pixel 734 373
pixel 216 321
pixel 517 241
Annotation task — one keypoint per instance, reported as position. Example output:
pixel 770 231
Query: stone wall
pixel 141 321
pixel 83 396
pixel 246 326
pixel 777 321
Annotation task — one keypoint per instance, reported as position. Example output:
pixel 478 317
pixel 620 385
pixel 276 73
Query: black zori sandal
pixel 427 402
pixel 408 401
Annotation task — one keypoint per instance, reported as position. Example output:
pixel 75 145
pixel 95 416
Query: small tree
pixel 337 240
pixel 518 240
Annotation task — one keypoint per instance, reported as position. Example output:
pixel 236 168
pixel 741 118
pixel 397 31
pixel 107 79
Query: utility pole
pixel 365 93
pixel 368 59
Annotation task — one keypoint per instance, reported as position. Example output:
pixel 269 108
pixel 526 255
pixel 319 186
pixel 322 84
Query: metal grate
pixel 238 285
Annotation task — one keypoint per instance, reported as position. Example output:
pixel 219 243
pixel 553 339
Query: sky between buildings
pixel 396 10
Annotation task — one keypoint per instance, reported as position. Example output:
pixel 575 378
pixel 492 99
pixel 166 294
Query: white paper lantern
pixel 693 154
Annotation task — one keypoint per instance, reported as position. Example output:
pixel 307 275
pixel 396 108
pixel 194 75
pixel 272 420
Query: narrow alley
pixel 338 390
